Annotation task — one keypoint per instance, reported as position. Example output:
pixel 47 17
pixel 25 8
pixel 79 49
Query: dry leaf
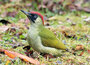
pixel 48 56
pixel 88 51
pixel 69 60
pixel 12 14
pixel 3 28
pixel 79 47
pixel 87 19
pixel 53 18
pixel 81 53
pixel 12 55
pixel 86 9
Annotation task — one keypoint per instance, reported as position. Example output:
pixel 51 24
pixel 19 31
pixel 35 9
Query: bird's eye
pixel 29 14
pixel 35 16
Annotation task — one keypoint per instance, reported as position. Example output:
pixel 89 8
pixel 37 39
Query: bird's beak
pixel 26 13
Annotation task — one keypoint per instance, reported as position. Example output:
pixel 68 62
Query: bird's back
pixel 49 39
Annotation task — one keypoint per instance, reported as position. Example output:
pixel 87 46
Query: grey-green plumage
pixel 40 38
pixel 49 39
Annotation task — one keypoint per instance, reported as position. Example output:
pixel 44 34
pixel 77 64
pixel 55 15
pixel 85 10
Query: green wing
pixel 49 39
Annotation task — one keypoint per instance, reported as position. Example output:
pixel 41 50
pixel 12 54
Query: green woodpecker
pixel 40 38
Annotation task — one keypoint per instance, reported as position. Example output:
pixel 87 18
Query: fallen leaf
pixel 73 24
pixel 12 55
pixel 21 21
pixel 87 20
pixel 12 14
pixel 48 56
pixel 79 47
pixel 86 9
pixel 88 51
pixel 53 18
pixel 41 7
pixel 69 60
pixel 68 35
pixel 12 29
pixel 3 28
pixel 81 53
pixel 13 25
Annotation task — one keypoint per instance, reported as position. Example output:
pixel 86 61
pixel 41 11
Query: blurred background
pixel 53 6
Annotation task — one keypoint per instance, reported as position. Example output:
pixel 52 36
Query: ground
pixel 73 28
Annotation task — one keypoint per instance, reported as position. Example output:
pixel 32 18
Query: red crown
pixel 33 12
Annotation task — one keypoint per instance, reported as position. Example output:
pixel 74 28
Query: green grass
pixel 79 30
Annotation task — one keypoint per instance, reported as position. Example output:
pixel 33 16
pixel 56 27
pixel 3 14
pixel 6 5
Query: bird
pixel 40 38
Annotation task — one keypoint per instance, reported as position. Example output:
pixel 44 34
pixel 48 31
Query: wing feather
pixel 49 39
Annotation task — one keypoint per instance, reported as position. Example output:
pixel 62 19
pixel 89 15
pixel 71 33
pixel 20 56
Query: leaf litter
pixel 72 25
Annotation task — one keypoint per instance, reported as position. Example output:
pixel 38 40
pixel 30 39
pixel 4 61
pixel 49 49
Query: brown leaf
pixel 13 25
pixel 69 60
pixel 87 20
pixel 3 28
pixel 40 7
pixel 79 47
pixel 81 53
pixel 48 56
pixel 88 51
pixel 68 35
pixel 12 55
pixel 86 10
pixel 12 14
pixel 12 29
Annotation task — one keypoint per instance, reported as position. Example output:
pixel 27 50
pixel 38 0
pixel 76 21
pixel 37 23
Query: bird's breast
pixel 34 39
pixel 32 36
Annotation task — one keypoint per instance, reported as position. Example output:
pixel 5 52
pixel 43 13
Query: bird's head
pixel 35 17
